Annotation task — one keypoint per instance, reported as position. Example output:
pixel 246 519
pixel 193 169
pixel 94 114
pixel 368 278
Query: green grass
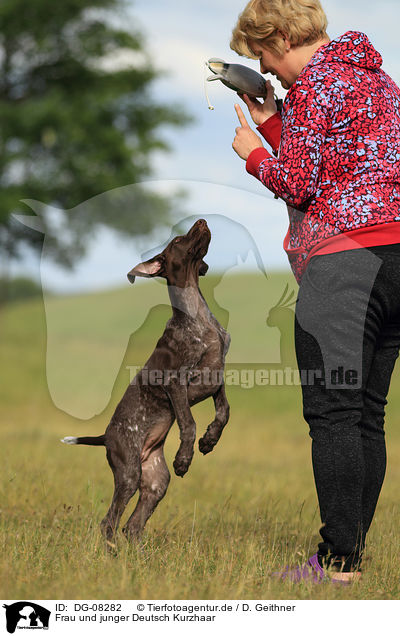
pixel 240 513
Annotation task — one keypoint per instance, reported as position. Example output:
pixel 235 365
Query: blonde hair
pixel 265 21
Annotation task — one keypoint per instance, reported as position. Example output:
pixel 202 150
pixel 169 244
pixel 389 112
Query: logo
pixel 26 615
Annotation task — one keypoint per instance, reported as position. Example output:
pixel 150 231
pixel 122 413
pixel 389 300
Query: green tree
pixel 70 128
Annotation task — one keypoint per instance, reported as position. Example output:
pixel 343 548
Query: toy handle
pixel 279 104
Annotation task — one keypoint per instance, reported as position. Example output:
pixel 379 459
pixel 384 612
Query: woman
pixel 338 172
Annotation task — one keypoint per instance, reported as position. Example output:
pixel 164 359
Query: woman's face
pixel 285 68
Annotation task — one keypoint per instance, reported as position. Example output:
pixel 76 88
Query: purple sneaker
pixel 310 571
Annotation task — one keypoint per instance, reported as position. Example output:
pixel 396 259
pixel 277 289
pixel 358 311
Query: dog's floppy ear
pixel 203 268
pixel 148 269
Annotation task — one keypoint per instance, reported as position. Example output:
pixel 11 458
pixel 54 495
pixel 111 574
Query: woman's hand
pixel 261 111
pixel 246 139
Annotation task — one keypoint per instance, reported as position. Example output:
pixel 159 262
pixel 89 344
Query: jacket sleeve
pixel 271 130
pixel 294 176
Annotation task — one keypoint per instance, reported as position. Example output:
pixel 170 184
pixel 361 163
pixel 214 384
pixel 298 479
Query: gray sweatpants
pixel 347 334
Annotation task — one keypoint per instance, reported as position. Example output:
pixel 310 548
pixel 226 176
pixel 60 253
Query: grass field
pixel 240 513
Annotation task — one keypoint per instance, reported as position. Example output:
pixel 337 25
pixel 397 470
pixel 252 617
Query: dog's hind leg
pixel 127 476
pixel 153 486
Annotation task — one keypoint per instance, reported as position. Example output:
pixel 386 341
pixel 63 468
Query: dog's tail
pixel 90 441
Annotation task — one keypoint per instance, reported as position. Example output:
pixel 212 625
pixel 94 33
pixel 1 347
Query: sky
pixel 180 36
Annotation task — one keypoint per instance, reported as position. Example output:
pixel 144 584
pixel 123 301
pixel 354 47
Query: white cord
pixel 205 88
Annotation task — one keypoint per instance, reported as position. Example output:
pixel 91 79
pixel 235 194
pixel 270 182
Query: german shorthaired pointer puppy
pixel 185 368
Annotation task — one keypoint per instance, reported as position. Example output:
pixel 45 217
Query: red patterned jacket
pixel 339 159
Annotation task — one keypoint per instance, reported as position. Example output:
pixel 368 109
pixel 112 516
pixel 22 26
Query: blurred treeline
pixel 78 118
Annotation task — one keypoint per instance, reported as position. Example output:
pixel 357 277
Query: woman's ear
pixel 286 40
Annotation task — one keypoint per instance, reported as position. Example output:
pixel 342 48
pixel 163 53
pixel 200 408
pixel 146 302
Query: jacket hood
pixel 351 48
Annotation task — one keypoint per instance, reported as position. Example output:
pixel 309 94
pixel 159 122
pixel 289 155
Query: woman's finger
pixel 241 117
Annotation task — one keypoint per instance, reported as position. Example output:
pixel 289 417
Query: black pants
pixel 347 334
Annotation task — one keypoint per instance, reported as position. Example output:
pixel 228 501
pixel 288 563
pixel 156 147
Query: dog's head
pixel 182 259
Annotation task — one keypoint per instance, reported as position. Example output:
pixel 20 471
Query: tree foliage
pixel 71 128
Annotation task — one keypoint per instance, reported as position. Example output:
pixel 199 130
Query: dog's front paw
pixel 180 467
pixel 206 445
pixel 181 464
